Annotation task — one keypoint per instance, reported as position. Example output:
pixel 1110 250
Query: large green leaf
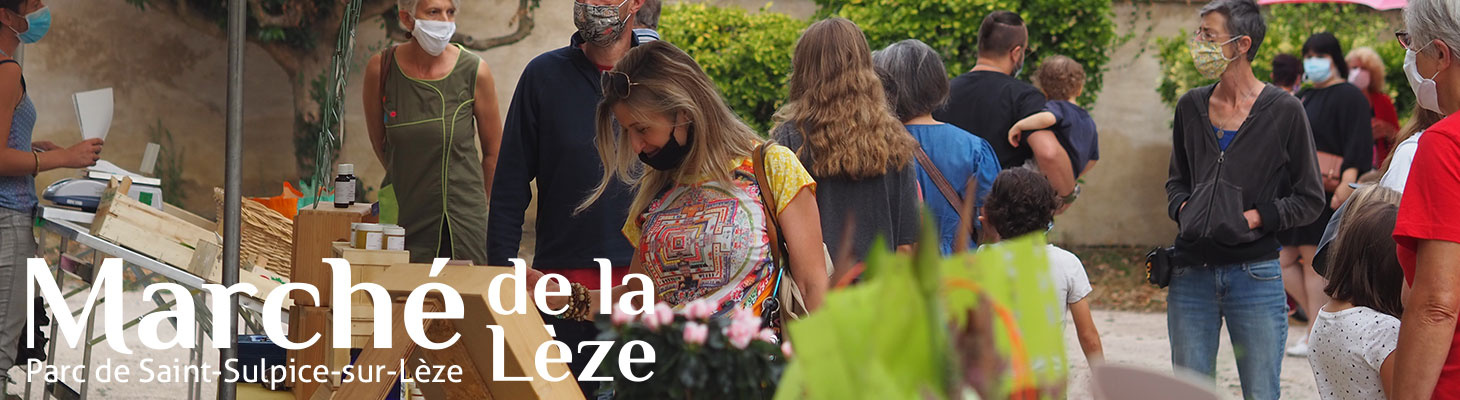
pixel 889 337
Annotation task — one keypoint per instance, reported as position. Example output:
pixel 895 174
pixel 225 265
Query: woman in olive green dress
pixel 426 115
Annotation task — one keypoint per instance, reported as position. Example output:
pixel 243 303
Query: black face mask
pixel 672 154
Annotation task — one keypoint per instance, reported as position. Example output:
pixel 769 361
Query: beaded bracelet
pixel 580 305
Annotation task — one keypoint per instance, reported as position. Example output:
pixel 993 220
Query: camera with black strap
pixel 1160 262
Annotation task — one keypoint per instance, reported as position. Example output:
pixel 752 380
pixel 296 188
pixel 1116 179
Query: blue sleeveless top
pixel 18 192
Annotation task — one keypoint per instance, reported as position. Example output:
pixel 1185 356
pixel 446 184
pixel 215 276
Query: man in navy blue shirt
pixel 548 137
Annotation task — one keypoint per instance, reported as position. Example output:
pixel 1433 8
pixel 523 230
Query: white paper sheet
pixel 94 112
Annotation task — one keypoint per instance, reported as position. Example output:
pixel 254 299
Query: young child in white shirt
pixel 1022 202
pixel 1354 335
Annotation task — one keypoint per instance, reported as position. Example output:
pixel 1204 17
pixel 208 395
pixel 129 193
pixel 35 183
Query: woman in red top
pixel 1367 72
pixel 1428 229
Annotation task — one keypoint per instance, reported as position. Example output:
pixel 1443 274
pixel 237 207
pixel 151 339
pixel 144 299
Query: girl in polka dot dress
pixel 1354 334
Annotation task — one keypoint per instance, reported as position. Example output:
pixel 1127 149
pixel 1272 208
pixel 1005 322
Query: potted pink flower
pixel 697 354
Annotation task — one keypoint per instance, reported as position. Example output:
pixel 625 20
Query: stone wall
pixel 1124 197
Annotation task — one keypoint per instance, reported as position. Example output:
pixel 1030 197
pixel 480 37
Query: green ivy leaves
pixel 1080 29
pixel 748 55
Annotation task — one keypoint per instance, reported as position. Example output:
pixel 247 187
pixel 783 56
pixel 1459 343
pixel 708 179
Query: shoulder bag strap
pixel 943 186
pixel 768 202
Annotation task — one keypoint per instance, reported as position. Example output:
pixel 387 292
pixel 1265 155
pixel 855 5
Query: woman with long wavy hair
pixel 839 123
pixel 697 221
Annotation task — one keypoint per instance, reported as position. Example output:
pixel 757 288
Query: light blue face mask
pixel 38 23
pixel 1317 69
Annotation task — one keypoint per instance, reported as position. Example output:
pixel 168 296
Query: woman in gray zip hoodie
pixel 1243 167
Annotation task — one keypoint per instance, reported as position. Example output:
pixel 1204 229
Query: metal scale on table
pixel 94 115
pixel 84 192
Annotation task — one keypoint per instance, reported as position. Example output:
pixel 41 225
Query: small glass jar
pixel 395 238
pixel 345 186
pixel 354 230
pixel 369 237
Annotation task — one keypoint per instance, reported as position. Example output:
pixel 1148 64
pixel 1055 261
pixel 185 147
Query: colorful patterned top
pixel 707 239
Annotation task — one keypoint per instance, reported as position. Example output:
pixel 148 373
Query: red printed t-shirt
pixel 1430 210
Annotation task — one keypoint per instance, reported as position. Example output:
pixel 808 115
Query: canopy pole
pixel 233 182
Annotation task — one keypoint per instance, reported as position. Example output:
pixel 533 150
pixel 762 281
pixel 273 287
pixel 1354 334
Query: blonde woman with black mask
pixel 697 220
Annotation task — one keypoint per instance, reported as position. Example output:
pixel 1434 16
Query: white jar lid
pixel 395 231
pixel 371 227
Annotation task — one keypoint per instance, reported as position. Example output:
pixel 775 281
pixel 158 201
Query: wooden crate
pixel 315 230
pixel 305 321
pixel 362 325
pixel 523 335
pixel 266 281
pixel 370 257
pixel 160 234
pixel 365 265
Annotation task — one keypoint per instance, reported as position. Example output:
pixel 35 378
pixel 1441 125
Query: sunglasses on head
pixel 616 85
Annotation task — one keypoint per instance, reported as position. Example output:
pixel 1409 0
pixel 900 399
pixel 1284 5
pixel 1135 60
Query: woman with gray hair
pixel 916 84
pixel 428 104
pixel 1426 233
pixel 1234 144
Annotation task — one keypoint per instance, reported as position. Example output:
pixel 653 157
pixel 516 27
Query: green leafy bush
pixel 748 55
pixel 1083 30
pixel 1288 26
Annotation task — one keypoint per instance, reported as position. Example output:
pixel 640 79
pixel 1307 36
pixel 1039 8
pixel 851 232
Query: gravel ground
pixel 157 360
pixel 1139 339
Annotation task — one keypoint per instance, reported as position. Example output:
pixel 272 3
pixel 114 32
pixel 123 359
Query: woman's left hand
pixel 45 145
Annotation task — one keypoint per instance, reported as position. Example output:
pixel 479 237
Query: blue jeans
pixel 17 243
pixel 1250 298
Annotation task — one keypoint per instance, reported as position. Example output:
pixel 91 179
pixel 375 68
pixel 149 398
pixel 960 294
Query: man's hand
pixel 1254 220
pixel 553 302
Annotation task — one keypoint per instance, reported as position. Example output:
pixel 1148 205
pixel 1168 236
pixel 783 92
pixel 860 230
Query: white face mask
pixel 433 36
pixel 1424 88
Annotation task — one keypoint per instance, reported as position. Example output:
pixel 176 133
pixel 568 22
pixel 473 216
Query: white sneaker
pixel 1299 349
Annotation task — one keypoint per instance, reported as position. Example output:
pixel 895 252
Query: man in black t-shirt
pixel 988 100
